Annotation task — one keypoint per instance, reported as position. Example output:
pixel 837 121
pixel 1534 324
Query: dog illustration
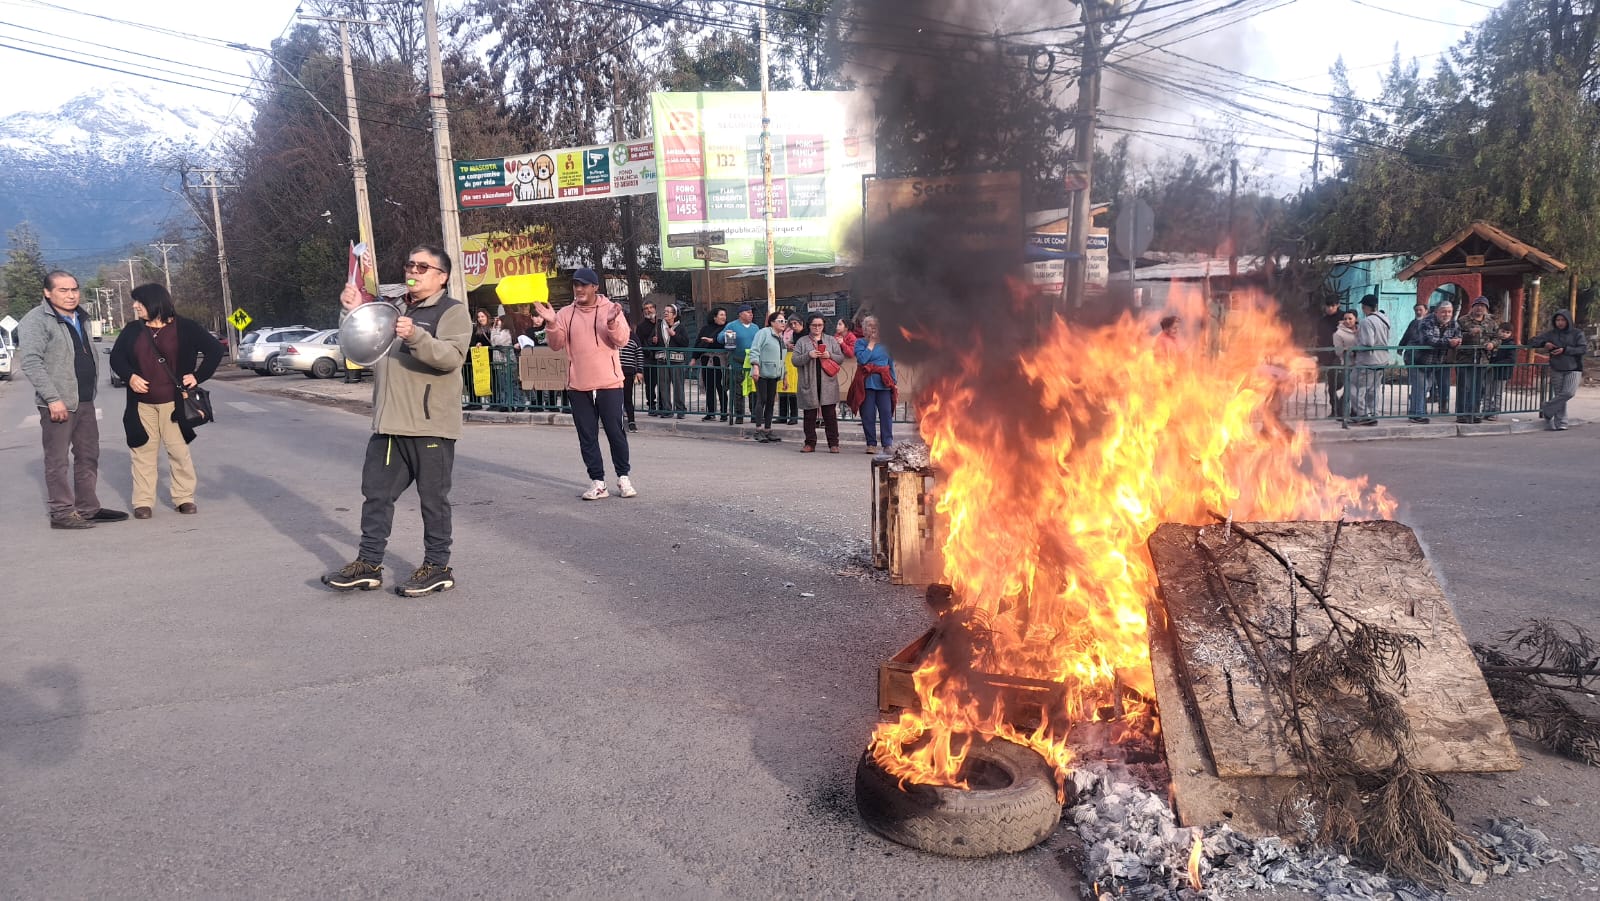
pixel 544 177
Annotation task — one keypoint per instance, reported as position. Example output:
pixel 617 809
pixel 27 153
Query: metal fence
pixel 701 387
pixel 1471 389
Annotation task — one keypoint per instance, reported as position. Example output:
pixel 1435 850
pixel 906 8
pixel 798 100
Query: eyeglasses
pixel 419 266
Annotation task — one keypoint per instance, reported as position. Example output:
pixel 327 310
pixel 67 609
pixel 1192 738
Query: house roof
pixel 1211 267
pixel 1480 247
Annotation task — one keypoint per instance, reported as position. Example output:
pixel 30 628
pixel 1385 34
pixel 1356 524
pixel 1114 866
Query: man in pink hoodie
pixel 591 330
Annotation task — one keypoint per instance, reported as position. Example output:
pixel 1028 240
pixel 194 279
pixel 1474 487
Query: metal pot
pixel 367 332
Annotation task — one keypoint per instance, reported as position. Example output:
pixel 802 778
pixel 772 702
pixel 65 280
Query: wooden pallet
pixel 905 535
pixel 1025 699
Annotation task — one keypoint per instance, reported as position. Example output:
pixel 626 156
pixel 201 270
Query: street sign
pixel 692 239
pixel 1136 227
pixel 8 323
pixel 240 319
pixel 1075 179
pixel 714 254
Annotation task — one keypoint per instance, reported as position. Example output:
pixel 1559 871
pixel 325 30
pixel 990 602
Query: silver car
pixel 260 350
pixel 5 360
pixel 317 355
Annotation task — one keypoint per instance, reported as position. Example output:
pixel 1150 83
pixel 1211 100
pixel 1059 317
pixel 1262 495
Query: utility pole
pixel 1233 244
pixel 1088 107
pixel 131 282
pixel 358 158
pixel 122 314
pixel 630 244
pixel 103 306
pixel 165 249
pixel 449 213
pixel 222 259
pixel 766 170
pixel 1316 155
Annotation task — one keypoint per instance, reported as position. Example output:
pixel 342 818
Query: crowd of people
pixel 1475 354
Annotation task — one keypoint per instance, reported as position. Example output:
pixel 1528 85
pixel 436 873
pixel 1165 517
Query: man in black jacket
pixel 1566 346
pixel 1332 374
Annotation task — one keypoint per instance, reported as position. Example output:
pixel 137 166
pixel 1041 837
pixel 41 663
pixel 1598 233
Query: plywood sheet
pixel 1379 575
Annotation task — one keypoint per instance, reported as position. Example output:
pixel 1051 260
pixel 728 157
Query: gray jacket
pixel 1373 332
pixel 810 369
pixel 44 343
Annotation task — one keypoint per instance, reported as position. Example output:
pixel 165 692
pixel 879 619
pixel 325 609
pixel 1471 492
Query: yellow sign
pixel 240 319
pixel 489 257
pixel 517 290
pixel 481 376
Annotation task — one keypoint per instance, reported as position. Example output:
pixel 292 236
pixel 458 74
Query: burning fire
pixel 1054 476
pixel 1194 864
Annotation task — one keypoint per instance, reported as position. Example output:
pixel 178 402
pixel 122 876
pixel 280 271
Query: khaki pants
pixel 163 432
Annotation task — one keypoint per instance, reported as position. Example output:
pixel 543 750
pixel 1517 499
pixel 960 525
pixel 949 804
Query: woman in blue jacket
pixel 766 367
pixel 876 372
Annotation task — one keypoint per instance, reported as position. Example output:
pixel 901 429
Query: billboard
pixel 491 256
pixel 709 149
pixel 985 208
pixel 1046 270
pixel 623 169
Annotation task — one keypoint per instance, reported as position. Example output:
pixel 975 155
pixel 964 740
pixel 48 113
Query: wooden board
pixel 1380 576
pixel 1254 805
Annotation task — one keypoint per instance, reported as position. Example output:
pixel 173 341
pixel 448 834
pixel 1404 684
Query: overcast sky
pixel 1293 41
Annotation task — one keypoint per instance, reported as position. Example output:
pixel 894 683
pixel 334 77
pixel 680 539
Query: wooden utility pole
pixel 1077 261
pixel 444 160
pixel 630 243
pixel 1233 243
pixel 358 157
pixel 122 314
pixel 165 269
pixel 132 283
pixel 222 260
pixel 766 172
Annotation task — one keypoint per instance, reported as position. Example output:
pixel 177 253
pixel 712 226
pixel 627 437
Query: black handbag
pixel 194 404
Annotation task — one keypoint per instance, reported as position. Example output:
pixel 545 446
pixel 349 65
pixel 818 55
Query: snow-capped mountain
pixel 89 176
pixel 107 121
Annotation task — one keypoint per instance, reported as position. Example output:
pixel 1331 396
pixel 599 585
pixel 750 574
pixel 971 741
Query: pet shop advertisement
pixel 623 169
pixel 709 147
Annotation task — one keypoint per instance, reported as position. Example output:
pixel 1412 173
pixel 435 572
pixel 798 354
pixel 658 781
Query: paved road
pixel 661 697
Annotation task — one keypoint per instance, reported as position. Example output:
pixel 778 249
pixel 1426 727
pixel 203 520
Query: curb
pixel 1413 431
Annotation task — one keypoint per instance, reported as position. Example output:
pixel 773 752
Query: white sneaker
pixel 625 487
pixel 597 491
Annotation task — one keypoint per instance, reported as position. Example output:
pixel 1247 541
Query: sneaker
pixel 355 574
pixel 773 439
pixel 106 514
pixel 1421 420
pixel 625 487
pixel 71 521
pixel 871 449
pixel 597 491
pixel 633 427
pixel 428 578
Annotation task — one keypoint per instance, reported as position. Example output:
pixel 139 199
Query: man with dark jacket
pixel 649 332
pixel 416 419
pixel 1440 336
pixel 1332 372
pixel 58 357
pixel 1566 345
pixel 1418 379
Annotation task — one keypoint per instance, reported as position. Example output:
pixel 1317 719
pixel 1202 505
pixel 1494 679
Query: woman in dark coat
pixel 818 390
pixel 157 352
pixel 712 360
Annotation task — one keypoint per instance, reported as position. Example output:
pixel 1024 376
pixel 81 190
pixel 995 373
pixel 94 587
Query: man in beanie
pixel 1479 338
pixel 592 330
pixel 1372 358
pixel 1418 378
pixel 1566 346
pixel 1327 358
pixel 416 420
pixel 58 357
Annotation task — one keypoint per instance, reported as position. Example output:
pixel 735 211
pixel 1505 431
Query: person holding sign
pixel 592 330
pixel 416 419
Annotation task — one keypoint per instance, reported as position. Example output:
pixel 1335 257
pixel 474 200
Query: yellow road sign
pixel 240 319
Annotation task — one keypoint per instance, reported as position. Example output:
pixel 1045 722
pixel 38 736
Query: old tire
pixel 1011 806
pixel 323 368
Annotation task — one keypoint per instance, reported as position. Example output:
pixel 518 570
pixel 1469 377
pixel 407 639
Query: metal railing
pixel 700 386
pixel 1470 387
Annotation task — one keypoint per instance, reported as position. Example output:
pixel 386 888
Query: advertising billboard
pixel 708 146
pixel 623 169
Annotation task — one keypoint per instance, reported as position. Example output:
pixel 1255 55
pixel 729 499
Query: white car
pixel 317 355
pixel 5 360
pixel 259 350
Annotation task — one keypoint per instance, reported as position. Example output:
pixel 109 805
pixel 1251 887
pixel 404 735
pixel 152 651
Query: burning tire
pixel 1011 805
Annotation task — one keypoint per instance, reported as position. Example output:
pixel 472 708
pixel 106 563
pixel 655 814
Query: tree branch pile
pixel 1545 675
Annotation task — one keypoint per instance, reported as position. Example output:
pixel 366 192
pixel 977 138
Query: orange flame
pixel 1049 498
pixel 1194 864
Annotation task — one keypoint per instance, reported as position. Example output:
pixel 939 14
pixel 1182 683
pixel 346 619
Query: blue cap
pixel 585 276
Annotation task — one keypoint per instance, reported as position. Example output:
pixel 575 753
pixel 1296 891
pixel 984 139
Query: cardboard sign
pixel 542 369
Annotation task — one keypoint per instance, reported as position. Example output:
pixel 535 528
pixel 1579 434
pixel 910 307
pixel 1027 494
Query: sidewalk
pixel 1583 409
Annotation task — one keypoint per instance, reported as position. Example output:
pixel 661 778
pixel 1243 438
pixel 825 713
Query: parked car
pixel 317 355
pixel 260 350
pixel 5 360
